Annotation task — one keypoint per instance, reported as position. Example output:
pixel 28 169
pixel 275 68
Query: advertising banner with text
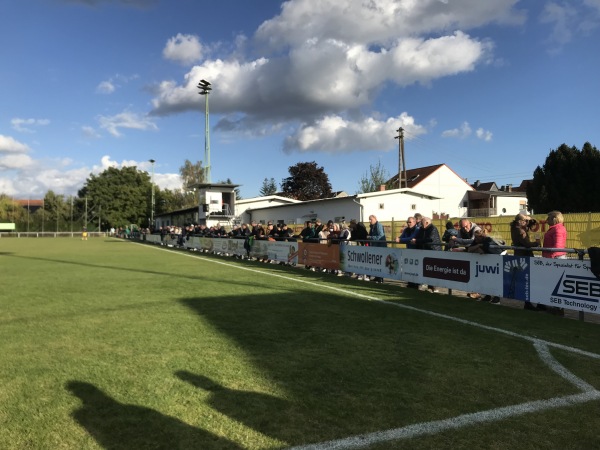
pixel 373 261
pixel 325 256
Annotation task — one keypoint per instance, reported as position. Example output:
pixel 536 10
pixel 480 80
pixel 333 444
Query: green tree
pixel 118 197
pixel 269 187
pixel 373 178
pixel 56 211
pixel 307 181
pixel 192 173
pixel 568 181
pixel 12 212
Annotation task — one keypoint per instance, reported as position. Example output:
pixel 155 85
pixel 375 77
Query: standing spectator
pixel 345 233
pixel 244 231
pixel 308 234
pixel 358 232
pixel 519 232
pixel 447 237
pixel 556 236
pixel 318 226
pixel 466 234
pixel 428 238
pixel 376 238
pixel 286 233
pixel 466 237
pixel 408 234
pixel 376 235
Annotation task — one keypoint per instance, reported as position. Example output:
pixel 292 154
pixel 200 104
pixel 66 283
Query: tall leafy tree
pixel 192 173
pixel 56 210
pixel 269 187
pixel 307 181
pixel 11 211
pixel 119 196
pixel 373 178
pixel 568 181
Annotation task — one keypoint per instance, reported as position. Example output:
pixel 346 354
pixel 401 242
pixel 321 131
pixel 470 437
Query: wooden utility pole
pixel 402 182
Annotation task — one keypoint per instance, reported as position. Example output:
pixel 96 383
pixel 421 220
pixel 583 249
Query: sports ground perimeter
pixel 543 348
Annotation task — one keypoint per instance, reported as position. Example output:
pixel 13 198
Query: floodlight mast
pixel 205 89
pixel 152 161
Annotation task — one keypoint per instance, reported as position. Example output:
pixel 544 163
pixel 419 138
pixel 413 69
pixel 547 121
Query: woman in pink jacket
pixel 556 236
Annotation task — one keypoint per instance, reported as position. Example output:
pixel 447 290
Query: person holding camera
pixel 519 232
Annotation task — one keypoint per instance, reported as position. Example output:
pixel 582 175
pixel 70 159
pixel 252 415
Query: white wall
pixel 451 190
pixel 325 210
pixel 513 205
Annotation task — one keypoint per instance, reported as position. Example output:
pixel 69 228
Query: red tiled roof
pixel 30 203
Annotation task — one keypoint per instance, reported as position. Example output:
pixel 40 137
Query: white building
pixel 434 191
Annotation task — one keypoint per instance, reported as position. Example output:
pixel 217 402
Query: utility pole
pixel 402 181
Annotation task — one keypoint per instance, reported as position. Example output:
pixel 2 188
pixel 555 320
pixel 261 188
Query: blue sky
pixel 488 88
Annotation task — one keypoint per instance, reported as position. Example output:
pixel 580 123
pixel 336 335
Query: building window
pixel 413 207
pixel 381 206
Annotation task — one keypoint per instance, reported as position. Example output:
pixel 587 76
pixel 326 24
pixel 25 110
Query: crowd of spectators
pixel 418 233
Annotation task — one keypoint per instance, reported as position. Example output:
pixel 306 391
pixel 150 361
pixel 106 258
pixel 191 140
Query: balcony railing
pixel 482 212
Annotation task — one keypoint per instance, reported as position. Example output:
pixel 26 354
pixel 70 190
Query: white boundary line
pixel 427 428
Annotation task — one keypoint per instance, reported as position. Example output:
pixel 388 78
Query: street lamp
pixel 152 201
pixel 205 89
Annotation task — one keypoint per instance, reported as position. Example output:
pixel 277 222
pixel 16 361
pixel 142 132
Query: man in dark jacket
pixel 428 238
pixel 358 232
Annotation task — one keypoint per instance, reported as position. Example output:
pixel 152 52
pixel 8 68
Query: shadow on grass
pixel 116 425
pixel 340 365
pixel 244 406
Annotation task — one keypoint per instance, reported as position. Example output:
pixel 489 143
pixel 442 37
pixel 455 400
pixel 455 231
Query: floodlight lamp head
pixel 205 83
pixel 151 161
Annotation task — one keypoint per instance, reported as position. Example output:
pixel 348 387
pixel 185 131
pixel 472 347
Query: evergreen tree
pixel 269 187
pixel 568 181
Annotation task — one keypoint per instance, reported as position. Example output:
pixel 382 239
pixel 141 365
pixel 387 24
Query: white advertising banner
pixel 564 283
pixel 373 261
pixel 282 251
pixel 453 270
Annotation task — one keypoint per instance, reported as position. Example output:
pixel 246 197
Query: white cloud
pixel 105 87
pixel 336 134
pixel 113 83
pixel 11 145
pixel 484 134
pixel 128 120
pixel 23 176
pixel 331 57
pixel 24 125
pixel 462 132
pixel 379 21
pixel 90 132
pixel 561 18
pixel 15 161
pixel 185 49
pixel 569 21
